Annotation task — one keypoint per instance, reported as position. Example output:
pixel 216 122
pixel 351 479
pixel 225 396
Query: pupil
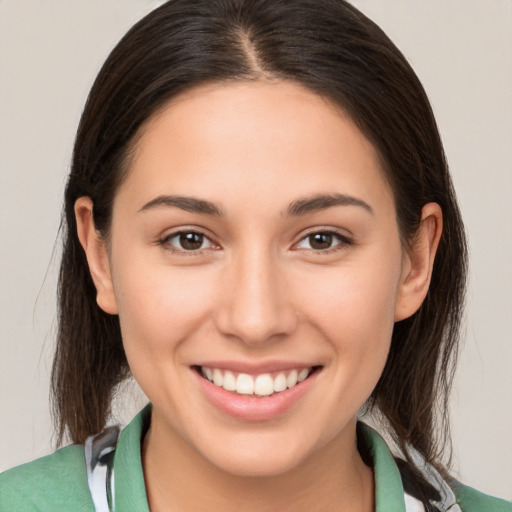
pixel 191 241
pixel 321 241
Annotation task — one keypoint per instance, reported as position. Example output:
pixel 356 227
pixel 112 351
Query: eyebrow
pixel 323 201
pixel 189 204
pixel 297 208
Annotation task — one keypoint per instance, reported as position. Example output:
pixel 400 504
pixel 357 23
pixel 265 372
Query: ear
pixel 95 249
pixel 418 262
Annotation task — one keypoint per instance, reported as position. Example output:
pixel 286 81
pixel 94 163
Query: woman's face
pixel 254 242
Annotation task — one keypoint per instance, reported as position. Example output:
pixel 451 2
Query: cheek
pixel 158 308
pixel 352 300
pixel 353 309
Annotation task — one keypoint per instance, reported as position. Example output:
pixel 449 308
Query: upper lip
pixel 256 368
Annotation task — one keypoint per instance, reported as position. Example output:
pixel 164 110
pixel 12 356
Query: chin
pixel 259 458
pixel 255 466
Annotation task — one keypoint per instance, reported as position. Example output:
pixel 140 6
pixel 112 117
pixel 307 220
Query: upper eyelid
pixel 182 231
pixel 166 238
pixel 333 231
pixel 178 231
pixel 344 240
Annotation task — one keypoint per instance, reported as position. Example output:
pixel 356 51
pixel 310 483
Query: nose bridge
pixel 256 306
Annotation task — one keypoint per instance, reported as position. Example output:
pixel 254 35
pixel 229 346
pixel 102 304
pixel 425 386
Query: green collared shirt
pixel 58 482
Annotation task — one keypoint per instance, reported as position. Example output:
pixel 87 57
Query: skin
pixel 258 290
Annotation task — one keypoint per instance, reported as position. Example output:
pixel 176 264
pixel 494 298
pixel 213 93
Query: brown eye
pixel 320 241
pixel 187 241
pixel 191 241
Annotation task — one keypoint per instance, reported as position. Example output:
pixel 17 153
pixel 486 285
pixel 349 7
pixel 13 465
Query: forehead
pixel 252 141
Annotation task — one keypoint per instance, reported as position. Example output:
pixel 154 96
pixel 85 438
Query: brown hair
pixel 331 48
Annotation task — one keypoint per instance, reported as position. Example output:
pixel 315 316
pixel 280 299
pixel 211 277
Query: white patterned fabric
pixel 412 504
pixel 99 458
pixel 447 501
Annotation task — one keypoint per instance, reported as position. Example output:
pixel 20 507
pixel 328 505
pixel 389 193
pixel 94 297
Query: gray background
pixel 50 51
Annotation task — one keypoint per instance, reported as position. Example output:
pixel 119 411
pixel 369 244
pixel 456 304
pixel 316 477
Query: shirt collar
pixel 130 491
pixel 389 491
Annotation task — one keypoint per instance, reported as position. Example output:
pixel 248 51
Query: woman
pixel 261 228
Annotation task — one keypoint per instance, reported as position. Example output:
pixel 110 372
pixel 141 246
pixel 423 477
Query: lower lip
pixel 253 408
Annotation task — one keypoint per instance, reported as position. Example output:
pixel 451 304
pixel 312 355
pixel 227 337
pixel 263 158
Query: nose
pixel 255 304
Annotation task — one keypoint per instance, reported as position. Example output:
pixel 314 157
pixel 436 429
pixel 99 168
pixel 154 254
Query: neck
pixel 179 479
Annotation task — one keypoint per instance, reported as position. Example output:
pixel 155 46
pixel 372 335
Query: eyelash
pixel 343 241
pixel 165 242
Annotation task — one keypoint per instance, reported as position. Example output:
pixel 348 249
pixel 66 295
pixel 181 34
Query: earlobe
pixel 419 262
pixel 96 253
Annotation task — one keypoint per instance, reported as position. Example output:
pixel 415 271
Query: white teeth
pixel 208 373
pixel 217 377
pixel 292 379
pixel 303 374
pixel 280 383
pixel 244 384
pixel 229 383
pixel 262 385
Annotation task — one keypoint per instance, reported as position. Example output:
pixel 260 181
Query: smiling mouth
pixel 265 384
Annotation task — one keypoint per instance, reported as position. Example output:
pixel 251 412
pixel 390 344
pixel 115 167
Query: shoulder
pixel 55 482
pixel 471 500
